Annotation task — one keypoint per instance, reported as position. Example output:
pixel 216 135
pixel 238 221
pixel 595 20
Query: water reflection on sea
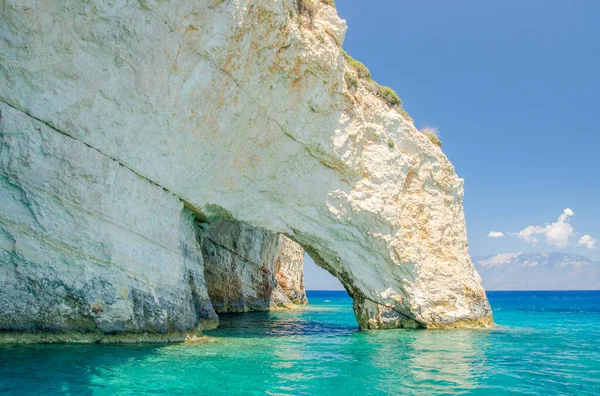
pixel 544 345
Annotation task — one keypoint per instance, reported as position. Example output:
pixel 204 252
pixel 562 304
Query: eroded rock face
pixel 241 108
pixel 289 269
pixel 87 245
pixel 250 269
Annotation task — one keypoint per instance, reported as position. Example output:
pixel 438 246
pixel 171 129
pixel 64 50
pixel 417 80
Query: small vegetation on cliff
pixel 359 67
pixel 404 114
pixel 433 135
pixel 351 81
pixel 387 94
pixel 329 2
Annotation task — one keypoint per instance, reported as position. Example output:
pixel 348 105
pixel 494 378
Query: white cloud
pixel 566 214
pixel 588 242
pixel 556 234
pixel 528 234
pixel 495 234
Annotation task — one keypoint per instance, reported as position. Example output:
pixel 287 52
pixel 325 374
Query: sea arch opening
pixel 249 269
pixel 318 278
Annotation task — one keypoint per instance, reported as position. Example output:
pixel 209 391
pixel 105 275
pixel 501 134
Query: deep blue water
pixel 546 343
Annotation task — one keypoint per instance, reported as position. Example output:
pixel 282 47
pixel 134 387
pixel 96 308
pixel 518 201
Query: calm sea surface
pixel 546 343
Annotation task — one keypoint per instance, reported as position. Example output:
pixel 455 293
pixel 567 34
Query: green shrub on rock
pixel 433 135
pixel 359 67
pixel 389 96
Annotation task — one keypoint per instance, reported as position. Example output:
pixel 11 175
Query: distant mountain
pixel 538 271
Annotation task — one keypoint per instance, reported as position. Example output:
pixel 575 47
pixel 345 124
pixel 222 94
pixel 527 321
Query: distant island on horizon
pixel 538 271
pixel 506 272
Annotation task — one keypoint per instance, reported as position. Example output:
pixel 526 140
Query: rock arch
pixel 214 109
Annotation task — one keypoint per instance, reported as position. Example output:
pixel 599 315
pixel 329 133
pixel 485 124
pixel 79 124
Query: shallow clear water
pixel 547 343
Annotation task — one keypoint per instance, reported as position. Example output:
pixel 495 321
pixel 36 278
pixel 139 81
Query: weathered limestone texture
pixel 241 108
pixel 88 245
pixel 240 262
pixel 289 270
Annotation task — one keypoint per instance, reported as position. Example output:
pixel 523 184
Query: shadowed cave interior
pixel 250 269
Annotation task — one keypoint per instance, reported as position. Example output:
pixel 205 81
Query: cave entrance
pixel 250 269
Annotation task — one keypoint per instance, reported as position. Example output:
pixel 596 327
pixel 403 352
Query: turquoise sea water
pixel 546 343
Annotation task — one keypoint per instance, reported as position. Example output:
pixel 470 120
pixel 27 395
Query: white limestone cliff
pixel 88 245
pixel 241 109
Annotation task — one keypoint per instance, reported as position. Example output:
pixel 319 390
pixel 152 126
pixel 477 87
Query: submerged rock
pixel 245 110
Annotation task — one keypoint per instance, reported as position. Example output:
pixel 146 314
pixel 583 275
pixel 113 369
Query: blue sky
pixel 513 88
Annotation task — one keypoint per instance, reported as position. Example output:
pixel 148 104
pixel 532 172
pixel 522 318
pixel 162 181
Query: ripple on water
pixel 318 350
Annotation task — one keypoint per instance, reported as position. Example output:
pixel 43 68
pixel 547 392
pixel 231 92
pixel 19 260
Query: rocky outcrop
pixel 251 269
pixel 244 110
